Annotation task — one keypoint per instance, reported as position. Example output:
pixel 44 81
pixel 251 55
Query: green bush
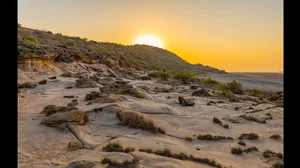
pixel 228 89
pixel 254 92
pixel 184 76
pixel 163 75
pixel 209 81
pixel 65 40
pixel 108 63
pixel 111 74
pixel 30 41
pixel 234 86
pixel 159 74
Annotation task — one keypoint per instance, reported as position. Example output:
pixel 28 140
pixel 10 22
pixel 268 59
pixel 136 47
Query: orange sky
pixel 233 35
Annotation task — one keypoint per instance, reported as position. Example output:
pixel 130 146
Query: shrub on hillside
pixel 207 82
pixel 108 63
pixel 184 76
pixel 30 41
pixel 235 87
pixel 254 92
pixel 159 74
pixel 164 76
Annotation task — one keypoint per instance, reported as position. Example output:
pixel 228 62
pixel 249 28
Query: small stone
pixel 43 82
pixel 53 77
pixel 69 96
pixel 75 144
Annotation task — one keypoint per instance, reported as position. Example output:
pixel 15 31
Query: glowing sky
pixel 233 35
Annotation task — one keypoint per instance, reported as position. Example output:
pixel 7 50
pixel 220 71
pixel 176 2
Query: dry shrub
pixel 249 136
pixel 135 120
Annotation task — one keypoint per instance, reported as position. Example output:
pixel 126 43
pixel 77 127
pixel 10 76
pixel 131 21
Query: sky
pixel 232 35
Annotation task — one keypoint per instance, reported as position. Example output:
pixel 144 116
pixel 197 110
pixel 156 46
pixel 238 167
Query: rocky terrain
pixel 75 111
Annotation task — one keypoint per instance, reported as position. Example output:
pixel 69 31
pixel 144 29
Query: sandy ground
pixel 41 146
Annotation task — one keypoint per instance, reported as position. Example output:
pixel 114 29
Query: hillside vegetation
pixel 42 44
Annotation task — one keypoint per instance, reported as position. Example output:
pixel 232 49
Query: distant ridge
pixel 37 44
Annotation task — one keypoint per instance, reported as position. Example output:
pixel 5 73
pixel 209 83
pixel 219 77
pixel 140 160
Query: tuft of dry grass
pixel 188 138
pixel 242 143
pixel 115 164
pixel 250 149
pixel 129 149
pixel 277 165
pixel 117 147
pixel 135 120
pixel 276 136
pixel 147 150
pixel 268 114
pixel 113 147
pixel 218 121
pixel 211 137
pixel 249 136
pixel 86 117
pixel 236 151
pixel 269 153
pixel 182 156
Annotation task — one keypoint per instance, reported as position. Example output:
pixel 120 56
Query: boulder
pixel 201 92
pixel 51 109
pixel 185 102
pixel 43 82
pixel 121 88
pixel 194 87
pixel 111 98
pixel 275 96
pixel 164 90
pixel 85 82
pixel 57 119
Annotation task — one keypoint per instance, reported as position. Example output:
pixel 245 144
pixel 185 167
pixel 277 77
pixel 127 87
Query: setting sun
pixel 149 40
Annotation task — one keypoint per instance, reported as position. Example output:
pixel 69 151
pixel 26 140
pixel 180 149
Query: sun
pixel 152 40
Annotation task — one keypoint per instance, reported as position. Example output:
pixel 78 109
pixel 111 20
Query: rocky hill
pixel 44 45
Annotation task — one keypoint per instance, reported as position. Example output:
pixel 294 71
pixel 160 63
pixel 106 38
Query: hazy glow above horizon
pixel 149 40
pixel 233 35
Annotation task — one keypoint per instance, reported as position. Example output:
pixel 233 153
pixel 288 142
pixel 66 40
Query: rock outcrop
pixel 185 102
pixel 56 119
